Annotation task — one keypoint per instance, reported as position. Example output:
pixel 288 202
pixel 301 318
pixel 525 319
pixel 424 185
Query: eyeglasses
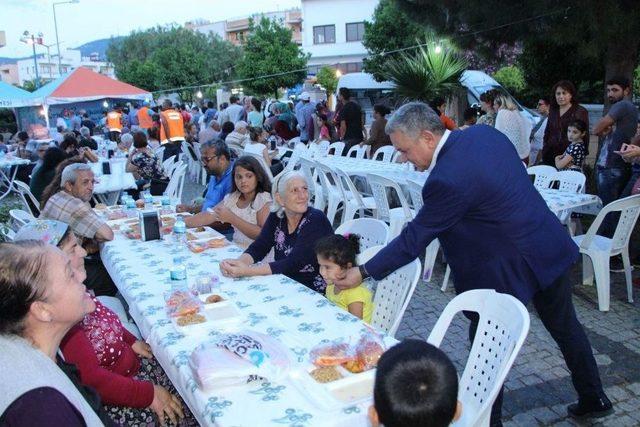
pixel 208 159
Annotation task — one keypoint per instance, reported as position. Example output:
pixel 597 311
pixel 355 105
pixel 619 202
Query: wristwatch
pixel 363 272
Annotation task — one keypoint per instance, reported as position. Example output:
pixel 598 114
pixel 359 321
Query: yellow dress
pixel 349 296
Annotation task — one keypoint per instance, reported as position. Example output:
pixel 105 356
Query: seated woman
pixel 43 175
pixel 258 145
pixel 105 353
pixel 286 123
pixel 246 208
pixel 292 230
pixel 41 298
pixel 144 164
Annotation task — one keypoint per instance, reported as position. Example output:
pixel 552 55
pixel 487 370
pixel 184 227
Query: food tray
pixel 217 315
pixel 207 234
pixel 351 389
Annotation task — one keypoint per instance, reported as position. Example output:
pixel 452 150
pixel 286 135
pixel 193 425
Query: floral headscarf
pixel 47 231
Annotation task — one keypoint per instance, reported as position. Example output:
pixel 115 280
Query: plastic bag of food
pixel 368 351
pixel 331 354
pixel 238 358
pixel 183 303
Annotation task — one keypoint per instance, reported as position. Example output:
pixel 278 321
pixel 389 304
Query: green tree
pixel 429 72
pixel 327 78
pixel 389 30
pixel 512 78
pixel 171 57
pixel 269 51
pixel 606 31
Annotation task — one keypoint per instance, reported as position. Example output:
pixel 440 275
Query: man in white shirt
pixel 235 111
pixel 537 133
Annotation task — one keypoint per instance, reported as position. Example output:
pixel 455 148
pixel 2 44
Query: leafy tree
pixel 389 30
pixel 30 85
pixel 169 57
pixel 603 30
pixel 327 78
pixel 430 72
pixel 512 78
pixel 269 51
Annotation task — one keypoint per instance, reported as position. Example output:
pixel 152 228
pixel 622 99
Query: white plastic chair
pixel 354 200
pixel 372 232
pixel 319 149
pixel 396 217
pixel 543 174
pixel 25 193
pixel 336 148
pixel 574 182
pixel 176 182
pixel 357 151
pixel 307 169
pixel 367 254
pixel 431 253
pixel 20 218
pixel 299 151
pixel 502 329
pixel 333 192
pixel 396 157
pixel 392 297
pixel 384 154
pixel 169 165
pixel 600 249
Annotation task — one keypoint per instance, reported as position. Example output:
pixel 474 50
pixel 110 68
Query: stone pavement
pixel 538 387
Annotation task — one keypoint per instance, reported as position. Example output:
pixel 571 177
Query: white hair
pixel 70 173
pixel 126 139
pixel 84 131
pixel 280 184
pixel 240 125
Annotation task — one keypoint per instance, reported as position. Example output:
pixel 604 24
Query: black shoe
pixel 598 409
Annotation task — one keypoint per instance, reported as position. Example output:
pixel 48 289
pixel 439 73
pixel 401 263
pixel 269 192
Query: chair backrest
pixel 572 181
pixel 25 193
pixel 318 149
pixel 189 151
pixel 306 167
pixel 357 151
pixel 415 192
pixel 20 218
pixel 392 296
pixel 502 328
pixel 379 185
pixel 336 148
pixel 367 254
pixel 324 172
pixel 629 209
pixel 384 154
pixel 160 152
pixel 169 165
pixel 348 186
pixel 176 183
pixel 260 160
pixel 396 157
pixel 298 151
pixel 543 174
pixel 372 232
pixel 8 233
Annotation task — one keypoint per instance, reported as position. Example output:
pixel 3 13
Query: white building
pixel 70 60
pixel 332 32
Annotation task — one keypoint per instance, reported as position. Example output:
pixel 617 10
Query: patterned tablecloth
pixel 296 316
pixel 559 201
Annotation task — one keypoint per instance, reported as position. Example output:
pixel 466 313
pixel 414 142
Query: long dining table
pixel 296 316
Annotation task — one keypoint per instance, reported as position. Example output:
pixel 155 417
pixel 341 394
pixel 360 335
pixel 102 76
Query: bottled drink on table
pixel 178 273
pixel 180 230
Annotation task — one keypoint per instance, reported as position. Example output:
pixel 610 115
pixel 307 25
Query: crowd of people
pixel 49 321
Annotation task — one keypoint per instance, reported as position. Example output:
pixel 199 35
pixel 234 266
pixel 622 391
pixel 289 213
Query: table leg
pixel 9 181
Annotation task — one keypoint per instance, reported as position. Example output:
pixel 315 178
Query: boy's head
pixel 416 385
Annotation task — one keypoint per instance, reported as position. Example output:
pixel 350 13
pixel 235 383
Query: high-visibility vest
pixel 114 121
pixel 144 118
pixel 175 124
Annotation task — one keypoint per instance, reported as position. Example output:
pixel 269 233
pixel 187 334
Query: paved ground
pixel 538 387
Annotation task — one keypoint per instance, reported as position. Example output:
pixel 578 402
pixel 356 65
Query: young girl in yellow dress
pixel 336 254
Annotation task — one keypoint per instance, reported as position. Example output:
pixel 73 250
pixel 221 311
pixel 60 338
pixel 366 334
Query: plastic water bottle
pixel 178 273
pixel 180 230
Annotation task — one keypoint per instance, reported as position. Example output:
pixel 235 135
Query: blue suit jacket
pixel 495 229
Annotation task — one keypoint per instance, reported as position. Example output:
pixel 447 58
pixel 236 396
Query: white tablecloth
pixel 275 305
pixel 115 182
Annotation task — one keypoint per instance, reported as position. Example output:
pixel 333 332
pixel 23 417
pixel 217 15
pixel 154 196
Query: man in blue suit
pixel 496 232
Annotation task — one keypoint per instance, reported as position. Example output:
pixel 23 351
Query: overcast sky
pixel 95 19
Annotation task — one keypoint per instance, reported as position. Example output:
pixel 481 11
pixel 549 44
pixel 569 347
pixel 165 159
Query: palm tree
pixel 433 71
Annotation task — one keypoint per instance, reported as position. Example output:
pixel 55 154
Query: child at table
pixel 416 386
pixel 574 155
pixel 336 254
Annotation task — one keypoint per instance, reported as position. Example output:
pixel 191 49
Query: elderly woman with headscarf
pixel 292 229
pixel 41 298
pixel 130 382
pixel 285 126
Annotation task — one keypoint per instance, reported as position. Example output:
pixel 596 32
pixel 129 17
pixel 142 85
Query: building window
pixel 355 31
pixel 324 34
pixel 350 67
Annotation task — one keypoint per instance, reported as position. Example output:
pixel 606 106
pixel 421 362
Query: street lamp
pixel 32 39
pixel 55 23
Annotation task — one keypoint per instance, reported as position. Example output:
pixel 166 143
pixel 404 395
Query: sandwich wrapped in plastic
pixel 237 358
pixel 182 303
pixel 368 351
pixel 331 354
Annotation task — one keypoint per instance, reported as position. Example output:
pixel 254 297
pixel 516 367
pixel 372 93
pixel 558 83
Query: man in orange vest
pixel 171 124
pixel 144 117
pixel 114 123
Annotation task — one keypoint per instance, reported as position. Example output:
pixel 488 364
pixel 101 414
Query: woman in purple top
pixel 292 230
